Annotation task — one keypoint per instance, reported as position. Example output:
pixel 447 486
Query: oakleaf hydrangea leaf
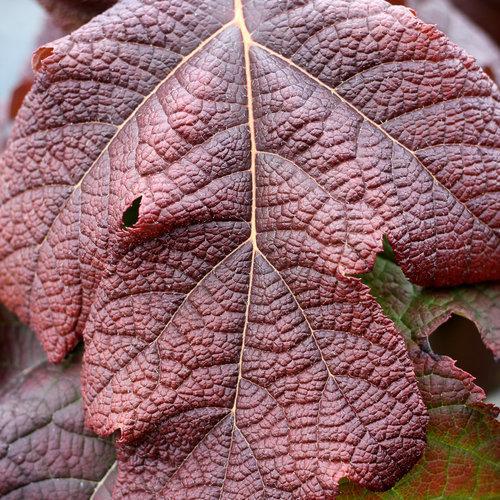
pixel 193 186
pixel 462 457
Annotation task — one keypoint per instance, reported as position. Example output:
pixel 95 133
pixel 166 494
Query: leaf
pixel 460 461
pixel 462 30
pixel 20 349
pixel 462 457
pixel 104 489
pixel 71 14
pixel 213 177
pixel 45 451
pixel 49 32
pixel 4 125
pixel 419 311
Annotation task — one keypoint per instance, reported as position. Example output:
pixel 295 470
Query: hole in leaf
pixel 459 339
pixel 131 215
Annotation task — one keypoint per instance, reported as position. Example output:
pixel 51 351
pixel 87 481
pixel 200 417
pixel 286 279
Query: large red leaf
pixel 212 177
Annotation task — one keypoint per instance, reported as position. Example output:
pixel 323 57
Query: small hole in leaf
pixel 131 215
pixel 459 339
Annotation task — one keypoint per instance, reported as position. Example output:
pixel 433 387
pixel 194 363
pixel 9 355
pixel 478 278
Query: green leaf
pixel 418 311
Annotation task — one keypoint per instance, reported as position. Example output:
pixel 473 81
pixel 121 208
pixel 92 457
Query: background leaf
pixel 71 14
pixel 45 451
pixel 418 311
pixel 460 461
pixel 462 456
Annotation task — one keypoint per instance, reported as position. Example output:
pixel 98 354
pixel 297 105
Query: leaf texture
pixel 462 456
pixel 213 177
pixel 49 31
pixel 45 451
pixel 418 311
pixel 104 489
pixel 463 30
pixel 460 461
pixel 20 349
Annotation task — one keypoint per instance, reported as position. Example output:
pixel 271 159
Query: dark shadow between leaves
pixel 459 339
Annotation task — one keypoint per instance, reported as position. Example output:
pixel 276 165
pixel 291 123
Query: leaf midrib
pixel 239 22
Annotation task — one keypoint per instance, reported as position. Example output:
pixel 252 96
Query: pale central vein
pixel 247 42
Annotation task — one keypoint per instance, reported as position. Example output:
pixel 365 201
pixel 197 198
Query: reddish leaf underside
pixel 463 29
pixel 460 461
pixel 261 151
pixel 50 31
pixel 45 451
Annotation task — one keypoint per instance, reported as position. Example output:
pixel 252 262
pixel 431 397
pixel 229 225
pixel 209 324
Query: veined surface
pixel 273 145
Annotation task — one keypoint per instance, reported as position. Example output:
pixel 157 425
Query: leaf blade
pixel 242 144
pixel 45 449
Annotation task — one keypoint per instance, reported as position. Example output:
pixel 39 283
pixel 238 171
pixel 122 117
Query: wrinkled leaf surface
pixel 462 456
pixel 45 451
pixel 191 186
